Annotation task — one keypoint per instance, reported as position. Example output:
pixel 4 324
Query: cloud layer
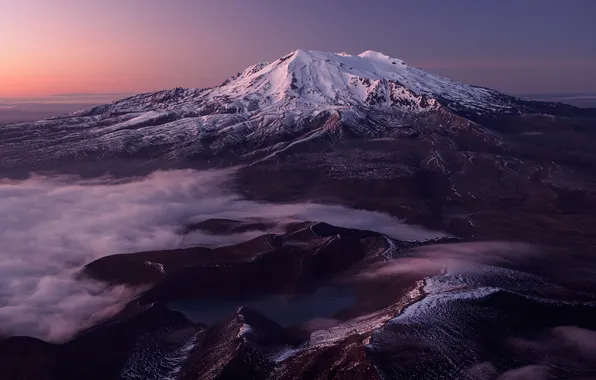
pixel 50 226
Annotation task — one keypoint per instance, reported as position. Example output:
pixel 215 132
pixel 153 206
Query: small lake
pixel 324 302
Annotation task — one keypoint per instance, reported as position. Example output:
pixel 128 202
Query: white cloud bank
pixel 51 226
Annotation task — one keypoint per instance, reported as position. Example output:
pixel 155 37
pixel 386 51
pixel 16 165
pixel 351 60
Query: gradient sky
pixel 128 46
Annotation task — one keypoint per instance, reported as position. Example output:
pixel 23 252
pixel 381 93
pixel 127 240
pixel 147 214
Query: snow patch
pixel 157 266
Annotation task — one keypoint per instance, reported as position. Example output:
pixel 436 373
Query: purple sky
pixel 116 46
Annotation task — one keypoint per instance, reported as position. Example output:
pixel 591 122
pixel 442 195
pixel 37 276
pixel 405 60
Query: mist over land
pixel 19 110
pixel 51 226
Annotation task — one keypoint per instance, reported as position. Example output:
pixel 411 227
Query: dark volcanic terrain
pixel 500 285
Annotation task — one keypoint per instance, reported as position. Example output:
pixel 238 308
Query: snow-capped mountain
pixel 332 154
pixel 267 108
pixel 319 80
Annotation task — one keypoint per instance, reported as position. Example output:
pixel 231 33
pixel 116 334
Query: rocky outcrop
pixel 99 353
pixel 307 253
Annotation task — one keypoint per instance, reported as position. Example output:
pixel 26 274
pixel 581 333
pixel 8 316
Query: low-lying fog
pixel 50 226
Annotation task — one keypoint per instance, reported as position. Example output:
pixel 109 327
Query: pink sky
pixel 115 46
pixel 105 47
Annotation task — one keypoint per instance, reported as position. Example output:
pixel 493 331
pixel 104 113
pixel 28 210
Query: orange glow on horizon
pixel 88 47
pixel 70 67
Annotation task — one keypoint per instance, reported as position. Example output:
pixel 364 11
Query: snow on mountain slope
pixel 322 80
pixel 268 106
pixel 329 79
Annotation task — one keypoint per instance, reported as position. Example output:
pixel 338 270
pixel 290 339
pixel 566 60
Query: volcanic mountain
pixel 310 298
pixel 367 131
pixel 270 108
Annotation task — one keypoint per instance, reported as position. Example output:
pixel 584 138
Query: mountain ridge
pixel 270 107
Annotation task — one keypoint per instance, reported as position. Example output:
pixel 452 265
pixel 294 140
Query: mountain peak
pixel 299 97
pixel 329 80
pixel 299 52
pixel 371 54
